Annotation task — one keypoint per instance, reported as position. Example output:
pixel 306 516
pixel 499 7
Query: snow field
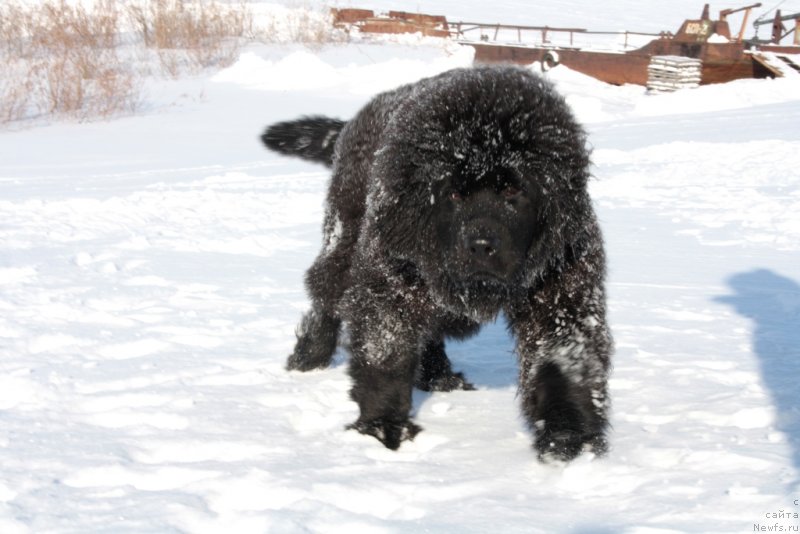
pixel 151 279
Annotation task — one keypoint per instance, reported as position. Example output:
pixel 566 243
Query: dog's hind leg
pixel 435 373
pixel 318 331
pixel 326 281
pixel 317 335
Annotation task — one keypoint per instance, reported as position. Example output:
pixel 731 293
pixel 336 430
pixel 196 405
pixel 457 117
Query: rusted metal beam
pixel 725 12
pixel 519 27
pixel 723 15
pixel 797 31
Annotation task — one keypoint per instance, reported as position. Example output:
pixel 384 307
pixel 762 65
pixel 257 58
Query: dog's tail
pixel 311 138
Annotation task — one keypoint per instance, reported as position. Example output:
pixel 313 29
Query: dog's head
pixel 481 183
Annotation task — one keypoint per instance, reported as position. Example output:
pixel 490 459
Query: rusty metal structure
pixel 724 56
pixel 366 21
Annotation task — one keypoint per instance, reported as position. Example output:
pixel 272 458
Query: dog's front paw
pixel 390 433
pixel 447 382
pixel 300 361
pixel 565 445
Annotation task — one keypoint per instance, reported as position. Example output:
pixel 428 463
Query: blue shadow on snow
pixel 772 302
pixel 488 359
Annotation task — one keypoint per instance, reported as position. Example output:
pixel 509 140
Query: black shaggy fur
pixel 311 138
pixel 453 199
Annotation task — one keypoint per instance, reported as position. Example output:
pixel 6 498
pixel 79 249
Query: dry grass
pixel 61 58
pixel 191 36
pixel 16 87
pixel 301 23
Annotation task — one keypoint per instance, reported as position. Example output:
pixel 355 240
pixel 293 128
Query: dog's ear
pixel 310 138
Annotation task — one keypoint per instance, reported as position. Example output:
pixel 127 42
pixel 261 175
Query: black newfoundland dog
pixel 453 199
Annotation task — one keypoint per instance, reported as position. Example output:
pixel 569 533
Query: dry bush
pixel 16 87
pixel 84 85
pixel 14 19
pixel 64 61
pixel 58 24
pixel 67 58
pixel 192 36
pixel 301 23
pixel 81 72
pixel 312 27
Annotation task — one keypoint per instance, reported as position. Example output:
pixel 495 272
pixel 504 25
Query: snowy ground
pixel 151 278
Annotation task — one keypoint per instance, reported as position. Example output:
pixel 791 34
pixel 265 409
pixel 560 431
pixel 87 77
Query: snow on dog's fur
pixel 453 199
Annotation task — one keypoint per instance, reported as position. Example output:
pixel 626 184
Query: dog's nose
pixel 482 247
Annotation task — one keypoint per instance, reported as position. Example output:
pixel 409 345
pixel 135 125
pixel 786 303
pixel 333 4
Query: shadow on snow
pixel 488 359
pixel 772 302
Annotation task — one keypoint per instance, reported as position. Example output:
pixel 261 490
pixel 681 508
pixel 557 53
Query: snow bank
pixel 304 71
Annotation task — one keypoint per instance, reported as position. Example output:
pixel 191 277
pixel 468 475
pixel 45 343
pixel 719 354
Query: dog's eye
pixel 511 191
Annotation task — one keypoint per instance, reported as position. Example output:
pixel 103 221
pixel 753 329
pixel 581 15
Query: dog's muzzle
pixel 482 251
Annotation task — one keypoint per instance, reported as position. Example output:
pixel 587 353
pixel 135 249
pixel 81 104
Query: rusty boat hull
pixel 722 62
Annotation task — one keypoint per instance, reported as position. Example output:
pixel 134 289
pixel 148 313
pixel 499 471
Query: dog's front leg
pixel 386 340
pixel 565 347
pixel 383 394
